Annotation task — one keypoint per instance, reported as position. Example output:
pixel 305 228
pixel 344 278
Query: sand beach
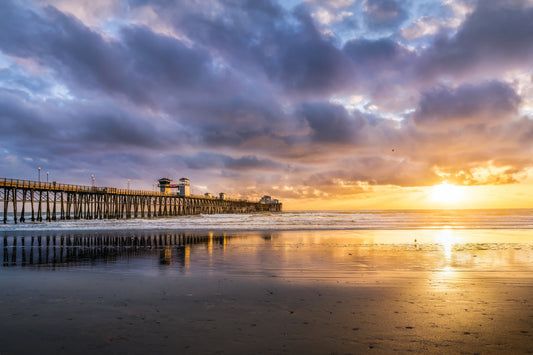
pixel 315 292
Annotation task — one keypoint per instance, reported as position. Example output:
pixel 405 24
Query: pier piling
pixel 93 203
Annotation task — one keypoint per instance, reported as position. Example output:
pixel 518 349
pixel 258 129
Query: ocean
pixel 305 220
pixel 434 234
pixel 312 282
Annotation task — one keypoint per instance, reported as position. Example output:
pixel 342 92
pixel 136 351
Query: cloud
pixel 90 12
pixel 483 104
pixel 264 41
pixel 472 134
pixel 140 65
pixel 383 14
pixel 331 123
pixel 19 119
pixel 260 94
pixel 303 61
pixel 376 170
pixel 424 26
pixel 91 127
pixel 371 57
pixel 210 161
pixel 496 37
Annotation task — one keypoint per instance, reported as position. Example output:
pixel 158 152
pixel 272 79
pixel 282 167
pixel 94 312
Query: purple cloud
pixel 260 94
pixel 485 104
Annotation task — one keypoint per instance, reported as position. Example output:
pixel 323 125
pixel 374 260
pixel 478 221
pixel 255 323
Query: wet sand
pixel 351 300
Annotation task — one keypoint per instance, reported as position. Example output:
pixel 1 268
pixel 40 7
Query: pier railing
pixel 67 201
pixel 54 186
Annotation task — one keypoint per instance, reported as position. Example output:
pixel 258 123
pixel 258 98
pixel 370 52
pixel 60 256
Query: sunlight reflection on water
pixel 289 254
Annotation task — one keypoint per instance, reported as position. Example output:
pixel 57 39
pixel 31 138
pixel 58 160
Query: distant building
pixel 164 184
pixel 208 194
pixel 266 199
pixel 184 187
pixel 222 196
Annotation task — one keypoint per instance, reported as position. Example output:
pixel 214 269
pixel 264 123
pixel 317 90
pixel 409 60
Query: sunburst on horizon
pixel 447 193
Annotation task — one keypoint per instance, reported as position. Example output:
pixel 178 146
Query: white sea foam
pixel 305 220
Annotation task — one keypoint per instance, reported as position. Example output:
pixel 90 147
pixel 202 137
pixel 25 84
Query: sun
pixel 447 193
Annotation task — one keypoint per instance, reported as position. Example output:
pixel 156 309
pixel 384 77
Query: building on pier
pixel 266 199
pixel 165 184
pixel 184 187
pixel 38 200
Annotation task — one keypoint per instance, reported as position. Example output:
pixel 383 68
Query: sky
pixel 342 104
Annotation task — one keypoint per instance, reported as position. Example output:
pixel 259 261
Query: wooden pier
pixel 37 200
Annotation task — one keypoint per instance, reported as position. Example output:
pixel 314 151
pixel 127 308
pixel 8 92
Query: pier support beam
pixel 104 203
pixel 5 205
pixel 14 192
pixel 22 213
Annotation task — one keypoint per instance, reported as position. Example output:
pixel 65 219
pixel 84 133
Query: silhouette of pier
pixel 37 200
pixel 81 248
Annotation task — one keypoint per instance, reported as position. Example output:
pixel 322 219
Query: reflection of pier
pixel 68 249
pixel 35 200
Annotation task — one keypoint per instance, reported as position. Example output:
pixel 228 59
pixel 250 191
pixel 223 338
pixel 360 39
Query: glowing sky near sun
pixel 322 104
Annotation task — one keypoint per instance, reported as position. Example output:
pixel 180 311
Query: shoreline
pixel 407 312
pixel 314 292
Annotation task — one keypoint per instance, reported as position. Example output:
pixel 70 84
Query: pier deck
pixel 38 200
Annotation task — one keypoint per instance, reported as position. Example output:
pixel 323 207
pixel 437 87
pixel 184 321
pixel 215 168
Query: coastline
pixel 271 292
pixel 398 312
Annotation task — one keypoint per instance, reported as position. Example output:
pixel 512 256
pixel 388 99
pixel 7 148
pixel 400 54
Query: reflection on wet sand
pixel 288 254
pixel 313 292
pixel 73 249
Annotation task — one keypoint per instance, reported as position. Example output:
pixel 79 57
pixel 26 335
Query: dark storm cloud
pixel 142 66
pixel 255 86
pixel 169 71
pixel 308 62
pixel 114 127
pixel 367 52
pixel 383 14
pixel 263 40
pixel 236 121
pixel 383 66
pixel 497 36
pixel 376 170
pixel 149 69
pixel 167 61
pixel 80 56
pixel 472 134
pixel 331 123
pixel 482 104
pixel 16 118
pixel 57 130
pixel 21 83
pixel 209 161
pixel 63 44
pixel 18 26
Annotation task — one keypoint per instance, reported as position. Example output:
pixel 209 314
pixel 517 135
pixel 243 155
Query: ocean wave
pixel 306 220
